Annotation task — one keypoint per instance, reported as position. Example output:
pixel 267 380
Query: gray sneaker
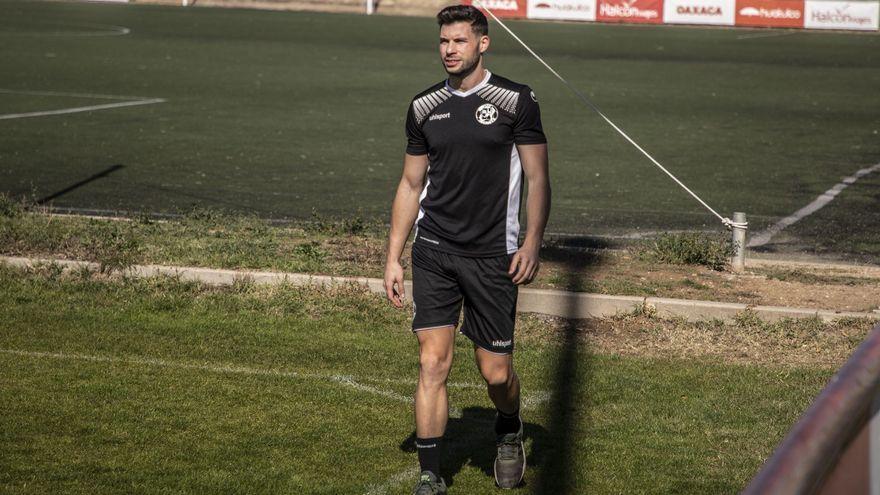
pixel 429 484
pixel 510 464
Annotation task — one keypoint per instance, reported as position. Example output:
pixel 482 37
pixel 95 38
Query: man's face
pixel 461 48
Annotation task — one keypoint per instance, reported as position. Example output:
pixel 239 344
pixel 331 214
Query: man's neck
pixel 469 81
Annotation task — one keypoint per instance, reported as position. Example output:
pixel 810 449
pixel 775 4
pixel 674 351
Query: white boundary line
pixel 78 95
pixel 528 401
pixel 345 380
pixel 104 30
pixel 129 102
pixel 396 479
pixel 762 238
pixel 771 34
pixel 80 109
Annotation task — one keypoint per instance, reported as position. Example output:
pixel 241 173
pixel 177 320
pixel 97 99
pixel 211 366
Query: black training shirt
pixel 471 200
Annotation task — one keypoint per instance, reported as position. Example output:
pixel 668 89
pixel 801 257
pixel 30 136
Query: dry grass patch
pixel 747 340
pixel 354 247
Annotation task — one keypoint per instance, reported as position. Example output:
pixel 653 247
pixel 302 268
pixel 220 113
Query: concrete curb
pixel 752 260
pixel 543 301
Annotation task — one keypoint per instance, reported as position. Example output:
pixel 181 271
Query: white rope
pixel 726 221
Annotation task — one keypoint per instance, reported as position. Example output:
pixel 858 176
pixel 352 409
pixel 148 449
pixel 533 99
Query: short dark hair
pixel 465 13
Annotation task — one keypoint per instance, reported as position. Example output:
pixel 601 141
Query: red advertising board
pixel 770 13
pixel 636 11
pixel 502 8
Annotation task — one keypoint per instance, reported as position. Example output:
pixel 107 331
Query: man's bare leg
pixel 503 386
pixel 501 379
pixel 431 401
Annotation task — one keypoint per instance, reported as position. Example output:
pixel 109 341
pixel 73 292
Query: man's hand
pixel 524 265
pixel 394 283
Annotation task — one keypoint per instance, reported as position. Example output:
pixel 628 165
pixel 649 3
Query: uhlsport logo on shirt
pixel 440 116
pixel 487 114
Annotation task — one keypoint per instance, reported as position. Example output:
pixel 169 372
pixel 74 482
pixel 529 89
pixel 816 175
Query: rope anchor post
pixel 738 262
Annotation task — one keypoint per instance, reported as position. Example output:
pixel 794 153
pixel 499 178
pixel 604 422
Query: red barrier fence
pixel 631 11
pixel 770 13
pixel 835 447
pixel 809 14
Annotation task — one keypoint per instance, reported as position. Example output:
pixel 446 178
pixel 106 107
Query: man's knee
pixel 496 374
pixel 434 366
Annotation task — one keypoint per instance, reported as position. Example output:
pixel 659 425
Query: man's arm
pixel 525 264
pixel 404 210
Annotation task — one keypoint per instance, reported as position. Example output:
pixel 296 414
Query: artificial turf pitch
pixel 283 113
pixel 159 386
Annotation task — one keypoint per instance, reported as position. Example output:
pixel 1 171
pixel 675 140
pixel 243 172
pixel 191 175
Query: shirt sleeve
pixel 527 127
pixel 416 144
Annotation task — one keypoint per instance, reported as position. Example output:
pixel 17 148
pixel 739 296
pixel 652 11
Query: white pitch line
pixel 528 400
pixel 771 34
pixel 223 369
pixel 104 30
pixel 817 204
pixel 81 109
pixel 411 381
pixel 77 95
pixel 382 489
pixel 349 381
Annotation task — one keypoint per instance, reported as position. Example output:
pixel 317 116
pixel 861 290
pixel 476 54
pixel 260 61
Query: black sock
pixel 507 423
pixel 429 454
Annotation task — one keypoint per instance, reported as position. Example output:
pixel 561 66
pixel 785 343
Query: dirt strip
pixel 564 304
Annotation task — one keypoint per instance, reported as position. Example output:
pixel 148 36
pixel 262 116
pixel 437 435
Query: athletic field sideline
pixel 147 108
pixel 158 386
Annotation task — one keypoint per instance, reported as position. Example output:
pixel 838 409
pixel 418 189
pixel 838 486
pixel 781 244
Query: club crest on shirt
pixel 487 114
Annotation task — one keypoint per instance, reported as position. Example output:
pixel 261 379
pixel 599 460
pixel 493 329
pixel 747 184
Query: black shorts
pixel 442 281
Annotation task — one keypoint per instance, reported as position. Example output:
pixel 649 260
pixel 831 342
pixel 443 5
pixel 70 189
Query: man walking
pixel 470 139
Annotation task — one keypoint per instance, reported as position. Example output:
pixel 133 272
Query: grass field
pixel 116 385
pixel 282 113
pixel 158 386
pixel 681 266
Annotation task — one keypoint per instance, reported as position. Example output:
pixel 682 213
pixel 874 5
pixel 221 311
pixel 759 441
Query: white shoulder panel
pixel 500 97
pixel 422 107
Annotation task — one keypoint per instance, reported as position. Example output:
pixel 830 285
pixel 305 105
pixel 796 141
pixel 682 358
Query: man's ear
pixel 484 44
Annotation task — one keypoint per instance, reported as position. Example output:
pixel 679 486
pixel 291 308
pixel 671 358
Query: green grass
pixel 712 251
pixel 192 398
pixel 354 246
pixel 856 210
pixel 277 113
pixel 197 238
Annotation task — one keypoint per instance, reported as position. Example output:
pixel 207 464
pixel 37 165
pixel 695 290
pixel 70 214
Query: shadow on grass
pixel 573 243
pixel 570 401
pixel 470 440
pixel 100 175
